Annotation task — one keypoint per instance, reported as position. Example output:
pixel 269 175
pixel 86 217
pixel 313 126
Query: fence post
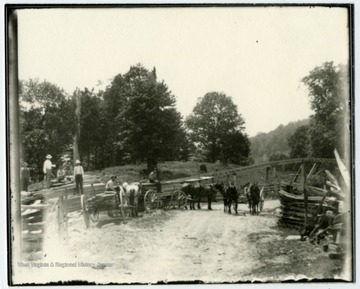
pixel 303 179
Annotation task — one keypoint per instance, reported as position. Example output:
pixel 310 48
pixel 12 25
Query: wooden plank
pixel 37 207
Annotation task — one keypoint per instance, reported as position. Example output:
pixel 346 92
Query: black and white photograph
pixel 180 144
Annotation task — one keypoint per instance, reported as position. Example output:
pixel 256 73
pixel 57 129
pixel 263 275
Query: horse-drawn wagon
pixel 113 202
pixel 165 195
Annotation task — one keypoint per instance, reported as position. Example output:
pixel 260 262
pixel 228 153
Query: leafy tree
pixel 115 96
pixel 236 148
pixel 328 91
pixel 216 126
pixel 146 125
pixel 91 138
pixel 299 142
pixel 46 122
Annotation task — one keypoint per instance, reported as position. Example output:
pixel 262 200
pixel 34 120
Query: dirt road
pixel 179 246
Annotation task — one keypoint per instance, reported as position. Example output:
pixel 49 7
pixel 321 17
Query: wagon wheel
pixel 94 215
pixel 179 199
pixel 151 201
pixel 85 212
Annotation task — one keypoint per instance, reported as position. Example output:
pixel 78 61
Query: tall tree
pixel 214 123
pixel 329 100
pixel 148 127
pixel 115 96
pixel 91 137
pixel 46 121
pixel 299 142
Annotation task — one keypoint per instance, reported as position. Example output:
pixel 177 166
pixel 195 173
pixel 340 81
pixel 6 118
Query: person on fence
pixel 110 185
pixel 25 177
pixel 79 176
pixel 47 171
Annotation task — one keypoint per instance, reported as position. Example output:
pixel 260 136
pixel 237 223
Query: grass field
pixel 178 169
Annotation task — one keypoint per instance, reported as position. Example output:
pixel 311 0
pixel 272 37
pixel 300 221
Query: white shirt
pixel 47 166
pixel 78 170
pixel 110 185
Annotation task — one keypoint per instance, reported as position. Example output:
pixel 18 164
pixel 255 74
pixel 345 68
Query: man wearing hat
pixel 110 185
pixel 79 176
pixel 47 171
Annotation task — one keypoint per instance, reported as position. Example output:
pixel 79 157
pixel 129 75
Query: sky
pixel 256 55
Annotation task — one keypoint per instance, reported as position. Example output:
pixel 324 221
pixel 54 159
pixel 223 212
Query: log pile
pixel 327 220
pixel 292 210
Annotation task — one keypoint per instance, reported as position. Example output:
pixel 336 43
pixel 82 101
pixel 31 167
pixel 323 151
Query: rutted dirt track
pixel 175 245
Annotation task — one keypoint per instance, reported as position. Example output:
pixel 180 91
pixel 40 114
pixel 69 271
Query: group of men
pixel 78 175
pixel 61 174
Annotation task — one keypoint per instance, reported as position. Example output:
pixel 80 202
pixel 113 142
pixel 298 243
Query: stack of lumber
pixel 33 227
pixel 293 207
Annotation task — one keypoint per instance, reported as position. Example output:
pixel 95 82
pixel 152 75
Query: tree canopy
pixel 216 127
pixel 299 142
pixel 46 121
pixel 146 125
pixel 328 87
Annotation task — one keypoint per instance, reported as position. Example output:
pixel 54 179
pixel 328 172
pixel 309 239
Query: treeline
pixel 133 120
pixel 328 128
pixel 274 145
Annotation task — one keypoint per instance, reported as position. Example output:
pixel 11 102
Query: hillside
pixel 263 145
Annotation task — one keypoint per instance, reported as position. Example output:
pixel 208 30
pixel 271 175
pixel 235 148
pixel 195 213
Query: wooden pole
pixel 267 174
pixel 14 138
pixel 77 132
pixel 312 171
pixel 303 179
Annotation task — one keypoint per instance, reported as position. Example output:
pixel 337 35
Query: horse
pixel 246 188
pixel 194 194
pixel 131 192
pixel 232 198
pixel 262 198
pixel 255 199
pixel 221 188
pixel 210 191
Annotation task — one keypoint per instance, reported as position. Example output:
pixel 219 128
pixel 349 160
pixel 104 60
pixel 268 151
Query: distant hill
pixel 264 145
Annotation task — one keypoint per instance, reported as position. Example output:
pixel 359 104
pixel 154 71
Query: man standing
pixel 25 177
pixel 79 176
pixel 47 171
